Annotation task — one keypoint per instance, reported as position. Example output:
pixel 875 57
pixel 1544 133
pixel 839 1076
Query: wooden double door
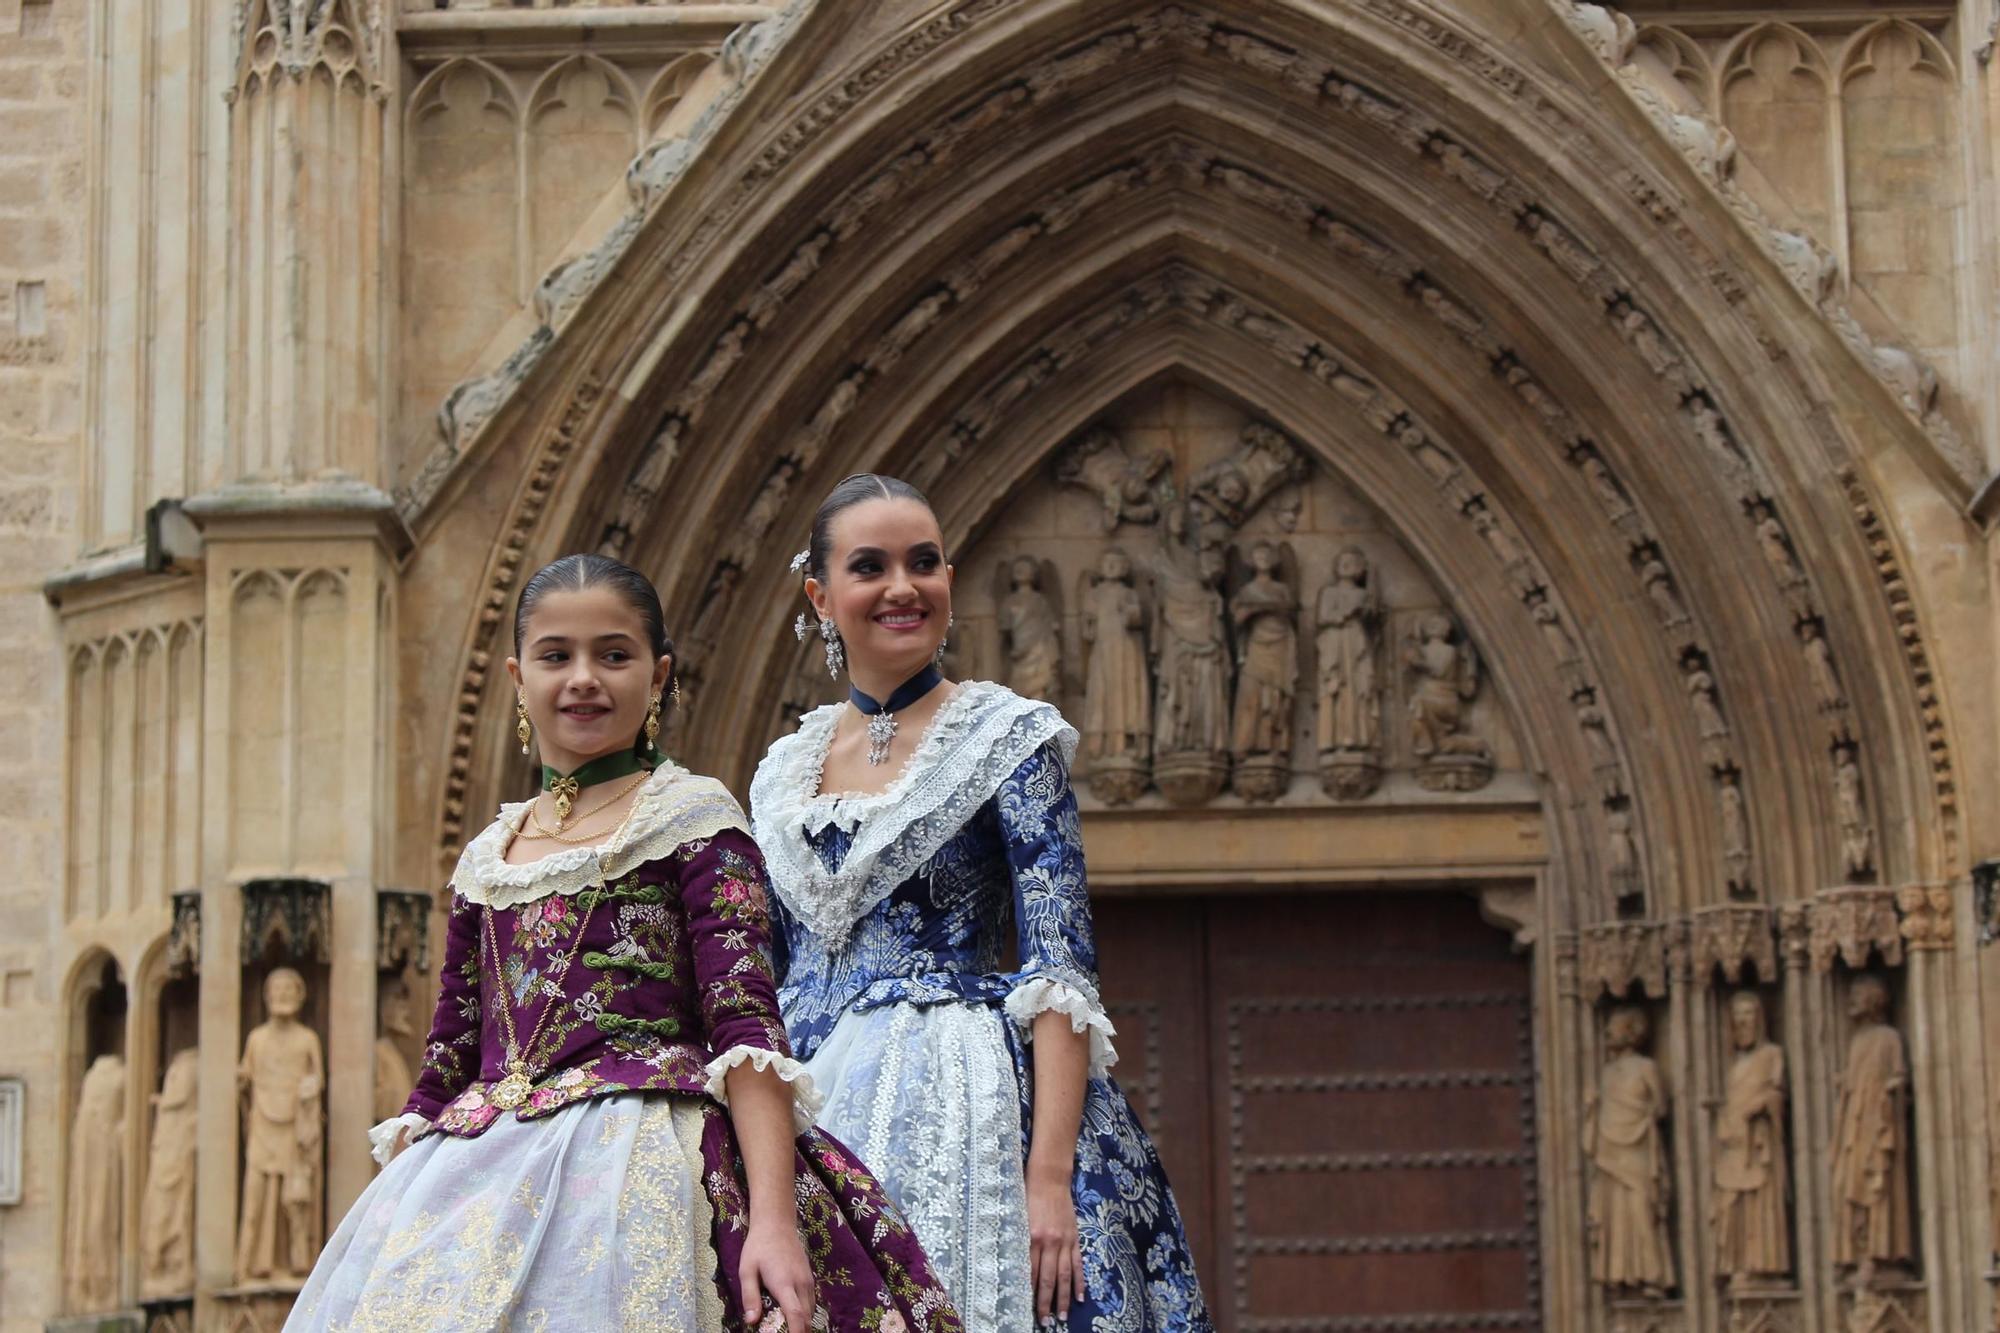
pixel 1342 1088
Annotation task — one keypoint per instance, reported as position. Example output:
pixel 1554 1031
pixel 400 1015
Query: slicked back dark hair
pixel 850 492
pixel 575 573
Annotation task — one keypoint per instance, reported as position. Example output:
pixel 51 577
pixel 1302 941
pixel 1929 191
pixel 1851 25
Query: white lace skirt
pixel 929 1099
pixel 594 1218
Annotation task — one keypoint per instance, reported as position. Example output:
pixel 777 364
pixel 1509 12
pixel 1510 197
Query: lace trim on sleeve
pixel 1038 995
pixel 673 807
pixel 975 742
pixel 806 1099
pixel 382 1138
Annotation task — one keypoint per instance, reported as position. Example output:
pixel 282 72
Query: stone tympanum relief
pixel 1223 618
pixel 281 1077
pixel 1752 1237
pixel 93 1230
pixel 166 1217
pixel 1871 1144
pixel 1630 1201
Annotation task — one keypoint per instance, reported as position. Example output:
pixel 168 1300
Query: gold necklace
pixel 512 1090
pixel 544 831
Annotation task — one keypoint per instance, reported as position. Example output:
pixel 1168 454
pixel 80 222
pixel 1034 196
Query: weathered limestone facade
pixel 1506 488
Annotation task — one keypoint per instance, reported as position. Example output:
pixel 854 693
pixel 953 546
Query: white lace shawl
pixel 673 807
pixel 978 738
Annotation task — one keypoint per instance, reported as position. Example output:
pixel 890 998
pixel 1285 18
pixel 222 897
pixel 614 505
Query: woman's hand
pixel 1055 1251
pixel 774 1264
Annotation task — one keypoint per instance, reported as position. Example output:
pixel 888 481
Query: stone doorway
pixel 1343 1087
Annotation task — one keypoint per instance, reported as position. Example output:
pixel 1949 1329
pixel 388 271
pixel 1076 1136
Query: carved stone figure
pixel 1445 677
pixel 1819 667
pixel 1659 585
pixel 1098 462
pixel 1191 717
pixel 1030 635
pixel 166 1218
pixel 1871 1149
pixel 393 1076
pixel 1117 694
pixel 1350 692
pixel 93 1234
pixel 1707 712
pixel 1549 621
pixel 1777 548
pixel 280 1076
pixel 1625 1141
pixel 1265 611
pixel 1752 1238
pixel 1621 853
pixel 1857 839
pixel 1735 828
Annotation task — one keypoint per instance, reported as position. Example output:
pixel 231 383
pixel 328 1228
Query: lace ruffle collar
pixel 673 807
pixel 978 738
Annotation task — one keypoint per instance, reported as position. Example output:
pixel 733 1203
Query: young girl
pixel 902 829
pixel 605 995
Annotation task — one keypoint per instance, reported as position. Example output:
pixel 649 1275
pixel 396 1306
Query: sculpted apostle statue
pixel 1265 611
pixel 92 1235
pixel 1871 1147
pixel 1625 1141
pixel 1029 633
pixel 1752 1240
pixel 1118 692
pixel 166 1261
pixel 280 1076
pixel 1350 623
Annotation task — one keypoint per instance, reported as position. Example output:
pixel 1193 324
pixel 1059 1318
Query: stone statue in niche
pixel 1857 839
pixel 1819 667
pixel 166 1217
pixel 1735 830
pixel 1621 853
pixel 280 1076
pixel 1752 1239
pixel 1350 692
pixel 1191 714
pixel 1707 712
pixel 93 1234
pixel 1265 610
pixel 1625 1140
pixel 1659 586
pixel 1124 484
pixel 393 1076
pixel 1871 1146
pixel 1118 693
pixel 1444 673
pixel 1030 630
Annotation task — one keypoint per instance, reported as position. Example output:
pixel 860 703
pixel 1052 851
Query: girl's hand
pixel 774 1263
pixel 1055 1252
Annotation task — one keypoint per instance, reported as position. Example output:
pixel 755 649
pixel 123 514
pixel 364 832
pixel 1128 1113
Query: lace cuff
pixel 806 1099
pixel 382 1138
pixel 1038 995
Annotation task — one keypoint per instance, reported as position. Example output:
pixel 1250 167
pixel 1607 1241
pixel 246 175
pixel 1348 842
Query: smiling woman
pixel 606 1065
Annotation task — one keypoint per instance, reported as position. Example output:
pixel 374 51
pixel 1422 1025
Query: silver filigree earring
pixel 836 653
pixel 949 620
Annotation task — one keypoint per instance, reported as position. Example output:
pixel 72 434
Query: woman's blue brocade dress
pixel 890 921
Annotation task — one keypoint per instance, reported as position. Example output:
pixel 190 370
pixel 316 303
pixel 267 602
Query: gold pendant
pixel 564 790
pixel 512 1090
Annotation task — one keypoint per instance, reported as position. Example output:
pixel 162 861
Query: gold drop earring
pixel 522 727
pixel 653 721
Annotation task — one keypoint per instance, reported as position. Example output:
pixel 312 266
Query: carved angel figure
pixel 1350 626
pixel 1098 462
pixel 1752 1238
pixel 281 1077
pixel 1446 676
pixel 1192 715
pixel 1030 634
pixel 1625 1142
pixel 1871 1146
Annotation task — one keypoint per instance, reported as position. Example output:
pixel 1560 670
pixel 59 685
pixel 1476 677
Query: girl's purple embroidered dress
pixel 601 1187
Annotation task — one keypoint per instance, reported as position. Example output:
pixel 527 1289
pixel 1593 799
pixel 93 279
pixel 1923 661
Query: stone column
pixel 1808 1132
pixel 1949 1188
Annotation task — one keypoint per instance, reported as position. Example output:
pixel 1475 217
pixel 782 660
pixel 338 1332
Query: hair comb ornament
pixel 800 561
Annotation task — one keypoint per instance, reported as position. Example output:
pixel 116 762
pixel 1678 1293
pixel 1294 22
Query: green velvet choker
pixel 604 768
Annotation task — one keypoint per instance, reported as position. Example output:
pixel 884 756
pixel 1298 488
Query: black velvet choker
pixel 881 714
